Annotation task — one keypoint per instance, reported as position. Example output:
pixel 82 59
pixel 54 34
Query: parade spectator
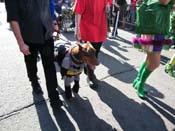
pixel 120 7
pixel 52 8
pixel 58 5
pixel 91 25
pixel 169 67
pixel 31 23
pixel 52 5
pixel 115 13
pixel 152 44
pixel 132 14
pixel 123 7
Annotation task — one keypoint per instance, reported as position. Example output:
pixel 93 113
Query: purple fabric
pixel 157 48
pixel 159 37
pixel 158 41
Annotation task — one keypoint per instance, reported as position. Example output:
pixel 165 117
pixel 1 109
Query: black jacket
pixel 27 14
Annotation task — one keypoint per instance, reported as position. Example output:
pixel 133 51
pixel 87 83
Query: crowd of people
pixel 33 28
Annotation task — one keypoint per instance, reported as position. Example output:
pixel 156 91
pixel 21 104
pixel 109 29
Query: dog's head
pixel 87 54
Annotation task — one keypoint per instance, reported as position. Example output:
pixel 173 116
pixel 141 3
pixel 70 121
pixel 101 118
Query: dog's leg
pixel 76 85
pixel 68 92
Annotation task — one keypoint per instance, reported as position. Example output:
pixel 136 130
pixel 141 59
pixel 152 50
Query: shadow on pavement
pixel 63 120
pixel 121 39
pixel 83 114
pixel 130 114
pixel 45 120
pixel 167 111
pixel 117 67
pixel 69 35
pixel 164 60
pixel 108 45
pixel 154 92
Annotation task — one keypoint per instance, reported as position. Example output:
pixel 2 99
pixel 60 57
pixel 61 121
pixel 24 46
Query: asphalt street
pixel 114 106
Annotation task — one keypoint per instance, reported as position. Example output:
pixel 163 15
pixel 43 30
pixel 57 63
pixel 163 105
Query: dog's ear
pixel 80 46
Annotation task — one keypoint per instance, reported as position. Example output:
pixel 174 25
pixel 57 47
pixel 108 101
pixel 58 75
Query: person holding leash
pixel 91 25
pixel 32 26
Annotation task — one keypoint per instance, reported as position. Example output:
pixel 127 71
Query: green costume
pixel 150 17
pixel 169 66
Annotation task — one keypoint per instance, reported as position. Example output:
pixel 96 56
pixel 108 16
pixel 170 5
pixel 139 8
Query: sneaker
pixel 36 88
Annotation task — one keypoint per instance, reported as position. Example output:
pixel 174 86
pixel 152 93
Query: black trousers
pixel 97 46
pixel 46 51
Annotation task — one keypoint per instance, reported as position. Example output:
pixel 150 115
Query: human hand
pixel 118 7
pixel 59 2
pixel 77 34
pixel 24 48
pixel 55 26
pixel 107 8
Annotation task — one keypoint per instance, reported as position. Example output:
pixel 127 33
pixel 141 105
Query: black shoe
pixel 76 87
pixel 56 103
pixel 92 80
pixel 93 83
pixel 114 34
pixel 36 88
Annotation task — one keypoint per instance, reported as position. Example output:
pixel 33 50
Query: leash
pixel 58 37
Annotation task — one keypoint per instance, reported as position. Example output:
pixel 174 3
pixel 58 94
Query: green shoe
pixel 135 86
pixel 140 84
pixel 169 70
pixel 142 67
pixel 134 83
pixel 141 91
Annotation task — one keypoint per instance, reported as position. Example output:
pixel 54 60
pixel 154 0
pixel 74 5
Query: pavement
pixel 114 106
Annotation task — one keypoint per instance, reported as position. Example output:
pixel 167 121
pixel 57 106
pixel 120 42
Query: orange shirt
pixel 93 24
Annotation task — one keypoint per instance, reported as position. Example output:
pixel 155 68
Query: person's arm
pixel 77 26
pixel 109 1
pixel 13 18
pixel 59 2
pixel 115 4
pixel 52 10
pixel 107 7
pixel 16 30
pixel 79 9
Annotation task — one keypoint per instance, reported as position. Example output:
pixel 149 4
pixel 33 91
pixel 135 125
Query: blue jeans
pixel 133 15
